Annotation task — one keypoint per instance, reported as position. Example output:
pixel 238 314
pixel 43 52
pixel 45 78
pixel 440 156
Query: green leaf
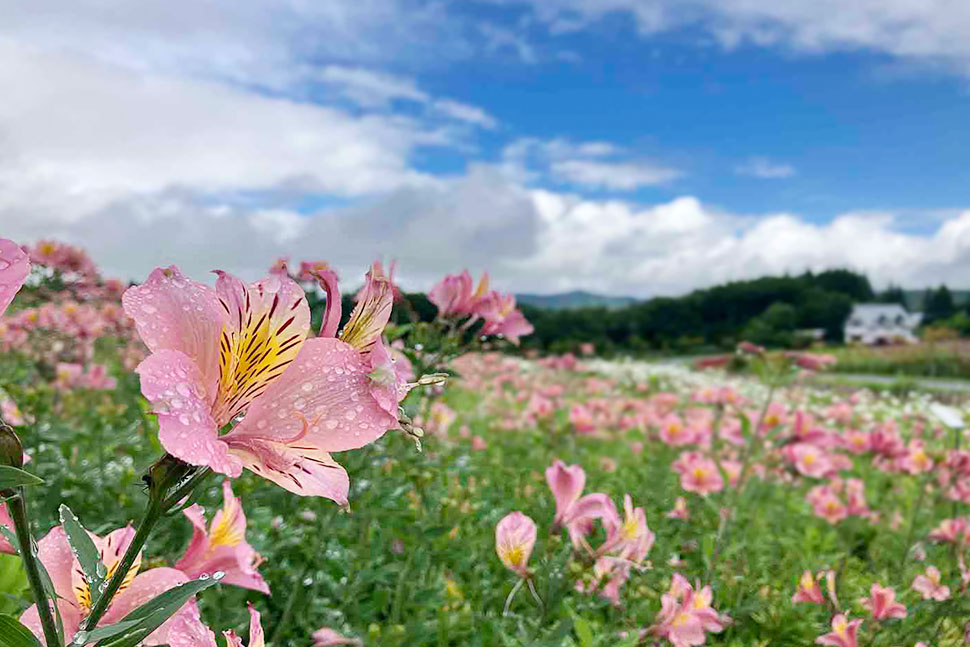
pixel 11 477
pixel 581 626
pixel 85 550
pixel 14 634
pixel 150 616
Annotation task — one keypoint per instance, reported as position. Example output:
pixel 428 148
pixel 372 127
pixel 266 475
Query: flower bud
pixel 11 451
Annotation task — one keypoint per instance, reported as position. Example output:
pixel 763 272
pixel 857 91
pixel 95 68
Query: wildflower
pixel 808 459
pixel 826 504
pixel 808 590
pixel 327 637
pixel 930 586
pixel 674 433
pixel 698 474
pixel 74 594
pixel 954 531
pixel 14 268
pixel 515 535
pixel 217 354
pixel 453 295
pixel 224 547
pixel 915 460
pixel 582 419
pixel 567 483
pixel 502 318
pixel 256 637
pixel 686 615
pixel 679 511
pixel 629 539
pixel 882 604
pixel 478 444
pixel 844 633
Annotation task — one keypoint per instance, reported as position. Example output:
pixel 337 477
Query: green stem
pixel 18 513
pixel 910 534
pixel 722 530
pixel 153 513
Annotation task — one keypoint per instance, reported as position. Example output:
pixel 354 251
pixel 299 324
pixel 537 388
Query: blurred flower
pixel 224 547
pixel 808 590
pixel 327 637
pixel 929 585
pixel 515 535
pixel 256 638
pixel 844 633
pixel 882 604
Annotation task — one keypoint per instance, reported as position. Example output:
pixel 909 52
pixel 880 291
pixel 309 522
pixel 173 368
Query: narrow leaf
pixel 151 615
pixel 84 549
pixel 11 477
pixel 14 634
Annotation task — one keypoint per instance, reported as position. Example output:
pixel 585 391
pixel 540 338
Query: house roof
pixel 873 314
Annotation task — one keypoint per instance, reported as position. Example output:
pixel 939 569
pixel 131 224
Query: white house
pixel 881 323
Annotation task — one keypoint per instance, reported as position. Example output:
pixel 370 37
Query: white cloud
pixel 78 134
pixel 930 31
pixel 673 247
pixel 253 42
pixel 465 112
pixel 766 169
pixel 591 165
pixel 619 176
pixel 370 88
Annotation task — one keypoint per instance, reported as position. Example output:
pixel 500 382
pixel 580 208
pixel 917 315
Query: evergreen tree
pixel 939 305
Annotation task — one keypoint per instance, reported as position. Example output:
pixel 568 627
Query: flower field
pixel 544 501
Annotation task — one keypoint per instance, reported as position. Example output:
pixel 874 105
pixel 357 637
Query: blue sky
pixel 624 146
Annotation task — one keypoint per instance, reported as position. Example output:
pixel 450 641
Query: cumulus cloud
pixel 764 168
pixel 531 240
pixel 930 31
pixel 673 247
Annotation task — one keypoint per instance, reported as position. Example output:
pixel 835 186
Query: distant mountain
pixel 574 299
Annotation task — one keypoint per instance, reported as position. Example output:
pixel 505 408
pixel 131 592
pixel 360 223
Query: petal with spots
pixel 173 384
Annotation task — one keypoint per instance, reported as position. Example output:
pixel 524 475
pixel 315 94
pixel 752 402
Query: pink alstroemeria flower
pixel 453 295
pixel 256 636
pixel 242 349
pixel 327 637
pixel 844 633
pixel 698 473
pixel 808 590
pixel 515 536
pixel 14 268
pixel 74 595
pixel 567 483
pixel 930 586
pixel 630 538
pixel 882 604
pixel 223 547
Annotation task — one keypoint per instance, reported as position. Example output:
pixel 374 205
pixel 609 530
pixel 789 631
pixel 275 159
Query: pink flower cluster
pixel 63 258
pixel 686 615
pixel 628 538
pixel 456 298
pixel 220 548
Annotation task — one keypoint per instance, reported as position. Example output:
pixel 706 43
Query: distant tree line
pixel 777 311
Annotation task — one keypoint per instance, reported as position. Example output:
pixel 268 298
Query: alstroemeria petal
pixel 268 322
pixel 54 552
pixel 325 395
pixel 303 470
pixel 173 384
pixel 70 617
pixel 14 268
pixel 173 312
